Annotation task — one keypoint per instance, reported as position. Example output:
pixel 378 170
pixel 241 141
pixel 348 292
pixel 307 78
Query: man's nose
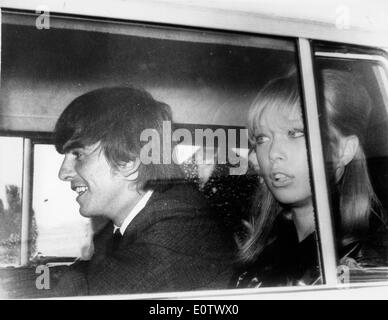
pixel 66 171
pixel 278 150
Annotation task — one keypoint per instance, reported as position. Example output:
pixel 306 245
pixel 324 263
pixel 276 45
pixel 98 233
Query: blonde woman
pixel 280 248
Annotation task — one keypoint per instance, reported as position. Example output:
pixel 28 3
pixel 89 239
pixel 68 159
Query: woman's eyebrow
pixel 260 130
pixel 297 123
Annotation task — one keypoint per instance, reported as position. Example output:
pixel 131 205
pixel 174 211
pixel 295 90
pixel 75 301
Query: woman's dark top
pixel 288 262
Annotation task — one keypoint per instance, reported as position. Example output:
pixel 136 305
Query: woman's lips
pixel 280 179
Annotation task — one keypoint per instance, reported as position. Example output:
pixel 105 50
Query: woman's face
pixel 282 156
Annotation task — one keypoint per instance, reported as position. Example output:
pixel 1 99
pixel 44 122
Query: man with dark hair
pixel 161 236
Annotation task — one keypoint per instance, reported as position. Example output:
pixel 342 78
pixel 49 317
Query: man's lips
pixel 80 189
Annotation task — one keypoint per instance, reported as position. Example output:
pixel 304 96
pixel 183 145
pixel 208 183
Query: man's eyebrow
pixel 72 144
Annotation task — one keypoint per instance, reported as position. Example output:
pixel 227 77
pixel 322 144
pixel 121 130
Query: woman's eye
pixel 296 133
pixel 261 139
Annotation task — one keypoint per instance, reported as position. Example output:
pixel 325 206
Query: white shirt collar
pixel 136 209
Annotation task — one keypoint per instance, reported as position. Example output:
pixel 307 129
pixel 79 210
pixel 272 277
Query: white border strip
pixel 220 16
pixel 323 214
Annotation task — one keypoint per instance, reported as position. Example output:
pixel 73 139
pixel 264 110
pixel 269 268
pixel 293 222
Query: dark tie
pixel 116 239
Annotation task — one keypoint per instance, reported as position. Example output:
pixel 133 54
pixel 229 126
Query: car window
pixel 210 80
pixel 357 186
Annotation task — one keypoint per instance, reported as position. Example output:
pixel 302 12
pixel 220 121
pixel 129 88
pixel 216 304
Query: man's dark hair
pixel 116 117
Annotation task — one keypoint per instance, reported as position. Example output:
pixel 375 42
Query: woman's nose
pixel 66 171
pixel 278 150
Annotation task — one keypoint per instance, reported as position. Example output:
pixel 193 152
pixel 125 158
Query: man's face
pixel 101 189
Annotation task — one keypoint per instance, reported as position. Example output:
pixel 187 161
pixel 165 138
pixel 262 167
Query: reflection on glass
pixel 210 169
pixel 62 231
pixel 354 132
pixel 11 162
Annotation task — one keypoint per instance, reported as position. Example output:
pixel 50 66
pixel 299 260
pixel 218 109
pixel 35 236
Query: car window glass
pixel 357 183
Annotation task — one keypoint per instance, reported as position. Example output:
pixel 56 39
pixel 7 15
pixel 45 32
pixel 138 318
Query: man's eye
pixel 76 154
pixel 261 139
pixel 296 133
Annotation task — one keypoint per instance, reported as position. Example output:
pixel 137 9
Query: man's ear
pixel 347 149
pixel 129 170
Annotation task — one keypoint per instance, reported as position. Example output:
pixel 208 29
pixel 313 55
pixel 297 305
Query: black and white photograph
pixel 179 149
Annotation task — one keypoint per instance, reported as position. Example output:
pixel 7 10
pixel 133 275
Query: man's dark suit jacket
pixel 173 244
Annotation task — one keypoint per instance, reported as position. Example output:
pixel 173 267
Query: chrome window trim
pixel 26 201
pixel 357 56
pixel 321 194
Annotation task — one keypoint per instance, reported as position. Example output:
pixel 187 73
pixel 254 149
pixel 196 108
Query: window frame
pixel 353 53
pixel 305 56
